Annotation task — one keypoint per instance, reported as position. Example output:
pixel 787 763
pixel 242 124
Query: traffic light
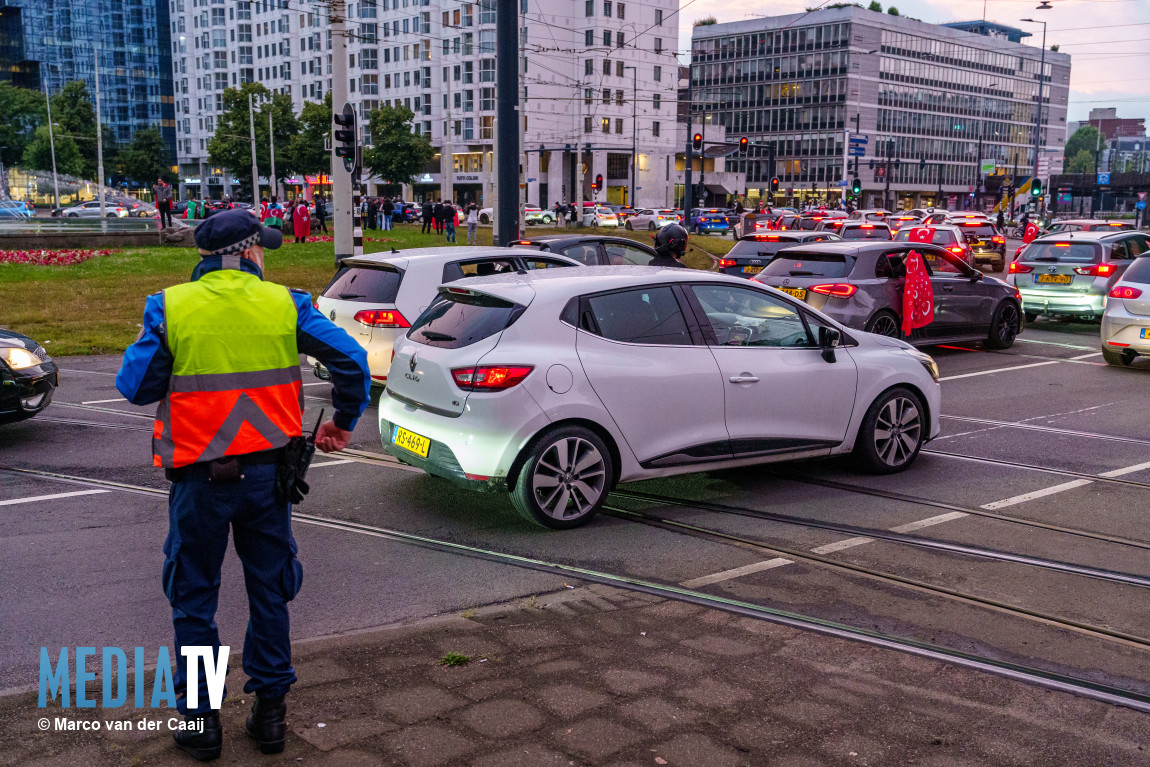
pixel 856 186
pixel 697 142
pixel 1036 188
pixel 598 182
pixel 744 145
pixel 345 137
pixel 775 185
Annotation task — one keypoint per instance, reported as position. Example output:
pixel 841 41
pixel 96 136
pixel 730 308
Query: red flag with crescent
pixel 1030 233
pixel 917 292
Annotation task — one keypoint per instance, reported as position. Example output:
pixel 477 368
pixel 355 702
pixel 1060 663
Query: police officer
pixel 670 245
pixel 221 355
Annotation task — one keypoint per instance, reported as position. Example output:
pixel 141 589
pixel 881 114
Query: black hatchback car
pixel 592 250
pixel 28 377
pixel 754 251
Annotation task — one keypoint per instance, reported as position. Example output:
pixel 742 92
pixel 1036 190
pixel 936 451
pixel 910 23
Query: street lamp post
pixel 634 130
pixel 1041 80
pixel 52 147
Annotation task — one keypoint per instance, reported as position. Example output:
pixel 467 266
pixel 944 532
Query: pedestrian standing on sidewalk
pixel 163 196
pixel 221 355
pixel 428 211
pixel 450 221
pixel 472 224
pixel 321 212
pixel 373 213
pixel 301 221
pixel 386 213
pixel 437 216
pixel 190 209
pixel 275 218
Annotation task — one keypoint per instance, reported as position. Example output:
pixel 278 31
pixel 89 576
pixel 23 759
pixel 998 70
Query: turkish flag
pixel 922 234
pixel 917 293
pixel 1030 233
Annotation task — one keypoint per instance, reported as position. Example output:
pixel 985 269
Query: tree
pixel 705 22
pixel 398 155
pixel 74 113
pixel 307 148
pixel 37 155
pixel 875 5
pixel 23 111
pixel 1054 48
pixel 892 11
pixel 146 159
pixel 1083 162
pixel 231 146
pixel 1085 138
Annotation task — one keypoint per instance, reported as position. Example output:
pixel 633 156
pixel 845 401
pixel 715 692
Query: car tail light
pixel 1096 270
pixel 998 239
pixel 726 263
pixel 382 318
pixel 490 377
pixel 835 289
pixel 867 226
pixel 766 238
pixel 958 250
pixel 1018 252
pixel 1125 291
pixel 1017 268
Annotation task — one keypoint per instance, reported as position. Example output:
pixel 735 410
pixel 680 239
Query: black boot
pixel 203 742
pixel 266 724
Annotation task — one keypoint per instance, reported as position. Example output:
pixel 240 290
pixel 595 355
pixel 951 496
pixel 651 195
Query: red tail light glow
pixel 998 239
pixel 1017 268
pixel 1096 270
pixel 490 377
pixel 1124 291
pixel 382 318
pixel 835 289
pixel 727 263
pixel 958 250
pixel 766 238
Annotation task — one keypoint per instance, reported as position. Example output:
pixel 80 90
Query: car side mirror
pixel 977 277
pixel 829 338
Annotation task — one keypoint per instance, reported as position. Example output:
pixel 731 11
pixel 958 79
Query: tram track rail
pixel 1066 683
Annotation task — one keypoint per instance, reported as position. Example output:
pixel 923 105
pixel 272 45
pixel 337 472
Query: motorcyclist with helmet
pixel 670 245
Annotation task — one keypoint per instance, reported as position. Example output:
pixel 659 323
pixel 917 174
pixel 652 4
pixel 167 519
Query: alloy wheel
pixel 1008 325
pixel 897 431
pixel 885 325
pixel 569 478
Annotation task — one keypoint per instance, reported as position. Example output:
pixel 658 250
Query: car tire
pixel 550 477
pixel 628 227
pixel 1004 327
pixel 883 323
pixel 895 418
pixel 651 227
pixel 548 220
pixel 1031 317
pixel 73 215
pixel 485 219
pixel 998 265
pixel 1118 359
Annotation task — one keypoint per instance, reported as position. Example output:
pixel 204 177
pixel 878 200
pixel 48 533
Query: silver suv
pixel 1070 274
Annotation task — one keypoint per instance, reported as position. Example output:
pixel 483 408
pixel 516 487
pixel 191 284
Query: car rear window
pixel 1063 252
pixel 455 320
pixel 751 248
pixel 793 264
pixel 865 233
pixel 369 284
pixel 1138 271
pixel 938 237
pixel 982 230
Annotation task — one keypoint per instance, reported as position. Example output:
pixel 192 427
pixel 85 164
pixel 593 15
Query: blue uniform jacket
pixel 147 366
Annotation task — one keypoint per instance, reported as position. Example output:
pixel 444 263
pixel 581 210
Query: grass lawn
pixel 94 307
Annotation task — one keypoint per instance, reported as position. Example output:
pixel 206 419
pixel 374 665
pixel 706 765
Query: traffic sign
pixel 1103 178
pixel 860 139
pixel 1140 205
pixel 856 151
pixel 1141 195
pixel 844 182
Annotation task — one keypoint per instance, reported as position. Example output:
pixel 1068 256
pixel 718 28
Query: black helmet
pixel 671 241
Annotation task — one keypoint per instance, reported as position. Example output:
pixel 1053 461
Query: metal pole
pixel 341 192
pixel 447 151
pixel 688 195
pixel 255 166
pixel 99 138
pixel 1041 81
pixel 634 133
pixel 273 181
pixel 578 196
pixel 52 146
pixel 510 124
pixel 886 172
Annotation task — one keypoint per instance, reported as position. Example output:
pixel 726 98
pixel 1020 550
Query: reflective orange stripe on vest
pixel 205 417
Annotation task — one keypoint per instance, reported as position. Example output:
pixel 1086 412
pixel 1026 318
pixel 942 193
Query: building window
pixel 618 39
pixel 468 72
pixel 486 128
pixel 619 10
pixel 606 122
pixel 487 70
pixel 588 96
pixel 487 11
pixel 589 38
pixel 618 68
pixel 606 95
pixel 589 8
pixel 655 130
pixel 658 45
pixel 658 18
pixel 619 97
pixel 368 32
pixel 369 58
pixel 486 99
pixel 587 124
pixel 606 38
pixel 588 67
pixel 487 41
pixel 607 9
pixel 656 100
pixel 658 74
pixel 606 67
pixel 618 124
pixel 370 85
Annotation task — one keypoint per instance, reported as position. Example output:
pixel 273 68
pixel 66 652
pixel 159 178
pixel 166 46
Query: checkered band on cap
pixel 237 247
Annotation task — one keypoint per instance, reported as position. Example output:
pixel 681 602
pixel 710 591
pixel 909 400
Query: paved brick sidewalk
pixel 598 676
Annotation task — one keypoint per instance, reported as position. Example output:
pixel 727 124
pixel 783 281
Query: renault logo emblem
pixel 411 364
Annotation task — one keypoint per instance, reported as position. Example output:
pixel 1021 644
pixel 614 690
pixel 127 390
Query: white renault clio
pixel 557 384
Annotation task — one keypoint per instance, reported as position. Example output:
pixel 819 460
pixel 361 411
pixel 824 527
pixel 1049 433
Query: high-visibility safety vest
pixel 236 383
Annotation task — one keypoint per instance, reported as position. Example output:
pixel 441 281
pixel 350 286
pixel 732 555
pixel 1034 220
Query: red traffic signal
pixel 598 182
pixel 744 145
pixel 775 185
pixel 697 142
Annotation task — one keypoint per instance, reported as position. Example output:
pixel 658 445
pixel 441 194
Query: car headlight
pixel 18 358
pixel 927 362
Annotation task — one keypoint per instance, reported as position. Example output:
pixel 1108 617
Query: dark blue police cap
pixel 234 231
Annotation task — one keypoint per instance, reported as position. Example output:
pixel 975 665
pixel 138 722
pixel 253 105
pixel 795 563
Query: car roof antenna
pixel 393 249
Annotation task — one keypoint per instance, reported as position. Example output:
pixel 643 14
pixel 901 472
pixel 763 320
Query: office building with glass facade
pixel 942 102
pixel 47 43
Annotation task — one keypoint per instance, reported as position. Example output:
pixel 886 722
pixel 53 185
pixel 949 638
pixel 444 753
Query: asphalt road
pixel 83 569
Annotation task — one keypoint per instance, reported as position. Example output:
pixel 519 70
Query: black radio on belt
pixel 291 478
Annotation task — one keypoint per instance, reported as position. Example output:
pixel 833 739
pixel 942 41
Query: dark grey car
pixel 752 253
pixel 860 285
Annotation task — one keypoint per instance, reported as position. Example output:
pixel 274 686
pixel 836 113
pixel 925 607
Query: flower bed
pixel 51 257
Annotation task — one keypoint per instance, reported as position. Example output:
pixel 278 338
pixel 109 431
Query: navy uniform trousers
pixel 199 516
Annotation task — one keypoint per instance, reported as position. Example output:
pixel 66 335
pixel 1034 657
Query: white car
pixel 600 217
pixel 653 218
pixel 376 297
pixel 555 385
pixel 91 209
pixel 532 214
pixel 1126 320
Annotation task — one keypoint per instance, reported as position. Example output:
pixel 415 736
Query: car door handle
pixel 745 378
pixel 948 288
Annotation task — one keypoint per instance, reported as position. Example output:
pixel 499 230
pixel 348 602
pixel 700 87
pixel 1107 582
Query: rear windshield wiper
pixel 434 335
pixel 346 296
pixel 801 273
pixel 1051 259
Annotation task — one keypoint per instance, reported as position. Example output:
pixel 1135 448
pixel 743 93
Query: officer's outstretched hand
pixel 331 438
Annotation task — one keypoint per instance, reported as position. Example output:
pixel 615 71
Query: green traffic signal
pixel 856 187
pixel 1036 188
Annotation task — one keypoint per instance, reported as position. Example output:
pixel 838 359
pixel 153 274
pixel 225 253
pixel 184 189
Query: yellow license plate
pixel 799 293
pixel 1055 279
pixel 752 269
pixel 1145 333
pixel 409 440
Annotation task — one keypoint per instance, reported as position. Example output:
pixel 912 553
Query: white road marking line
pixel 1037 494
pixel 102 401
pixel 332 463
pixel 34 499
pixel 1024 420
pixel 840 545
pixel 929 522
pixel 738 572
pixel 318 383
pixel 1053 343
pixel 1127 470
pixel 91 372
pixel 1079 358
